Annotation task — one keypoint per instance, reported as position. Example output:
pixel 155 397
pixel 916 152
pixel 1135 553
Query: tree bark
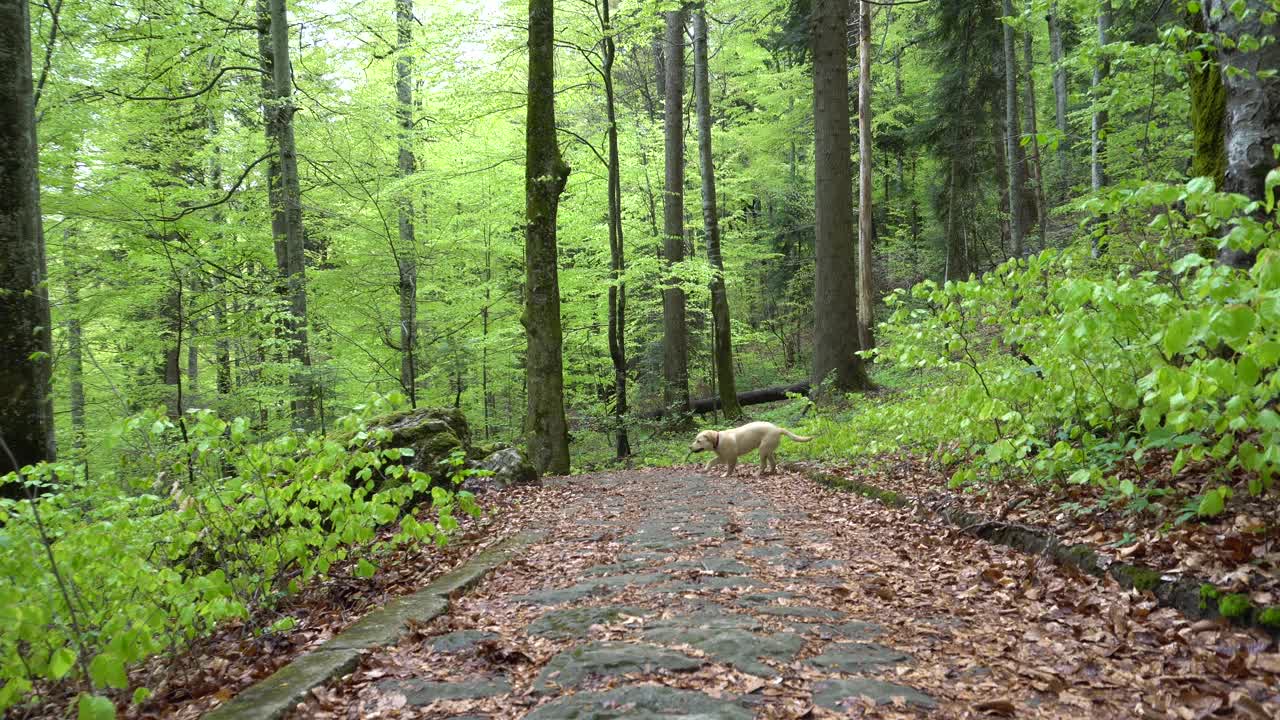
pixel 835 298
pixel 75 354
pixel 26 407
pixel 1097 135
pixel 1060 101
pixel 720 326
pixel 291 203
pixel 866 219
pixel 617 255
pixel 544 179
pixel 1253 108
pixel 1208 112
pixel 1017 178
pixel 407 249
pixel 703 406
pixel 1033 130
pixel 675 338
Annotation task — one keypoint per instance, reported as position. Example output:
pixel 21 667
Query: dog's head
pixel 706 440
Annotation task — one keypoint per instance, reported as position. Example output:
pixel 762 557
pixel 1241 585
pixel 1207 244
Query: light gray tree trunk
pixel 75 353
pixel 866 218
pixel 407 249
pixel 544 179
pixel 1017 179
pixel 1060 100
pixel 720 325
pixel 1097 134
pixel 26 406
pixel 1033 130
pixel 291 202
pixel 675 333
pixel 835 342
pixel 1253 106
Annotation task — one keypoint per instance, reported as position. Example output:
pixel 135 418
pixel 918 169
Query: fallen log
pixel 750 397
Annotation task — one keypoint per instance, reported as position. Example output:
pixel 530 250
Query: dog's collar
pixel 716 445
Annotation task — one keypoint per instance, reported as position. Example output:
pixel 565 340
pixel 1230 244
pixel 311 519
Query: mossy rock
pixel 434 434
pixel 1269 618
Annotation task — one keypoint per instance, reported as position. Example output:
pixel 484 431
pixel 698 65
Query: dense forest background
pixel 1024 241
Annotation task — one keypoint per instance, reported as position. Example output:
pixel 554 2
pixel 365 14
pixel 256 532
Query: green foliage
pixel 1208 593
pixel 1270 617
pixel 202 524
pixel 1235 605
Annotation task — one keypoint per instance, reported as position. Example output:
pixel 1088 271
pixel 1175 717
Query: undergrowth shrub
pixel 1067 363
pixel 206 524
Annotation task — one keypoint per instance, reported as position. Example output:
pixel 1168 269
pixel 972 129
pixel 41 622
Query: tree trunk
pixel 720 326
pixel 751 397
pixel 291 202
pixel 271 127
pixel 1253 108
pixel 1097 134
pixel 1033 130
pixel 75 353
pixel 26 406
pixel 675 338
pixel 1208 112
pixel 866 220
pixel 1000 151
pixel 1060 101
pixel 835 298
pixel 544 180
pixel 617 259
pixel 407 250
pixel 1017 178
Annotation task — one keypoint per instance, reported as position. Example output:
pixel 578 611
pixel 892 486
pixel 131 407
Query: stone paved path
pixel 664 594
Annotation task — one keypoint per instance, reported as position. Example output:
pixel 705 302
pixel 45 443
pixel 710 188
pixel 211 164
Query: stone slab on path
pixel 459 640
pixel 740 648
pixel 857 657
pixel 424 692
pixel 836 694
pixel 640 702
pixel 274 696
pixel 601 659
pixel 575 623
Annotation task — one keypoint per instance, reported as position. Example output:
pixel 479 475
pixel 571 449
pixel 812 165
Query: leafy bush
pixel 207 526
pixel 1072 363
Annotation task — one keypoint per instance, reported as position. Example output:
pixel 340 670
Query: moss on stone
pixel 1270 617
pixel 1143 578
pixel 1208 593
pixel 1235 605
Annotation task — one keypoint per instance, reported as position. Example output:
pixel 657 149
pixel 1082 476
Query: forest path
pixel 665 593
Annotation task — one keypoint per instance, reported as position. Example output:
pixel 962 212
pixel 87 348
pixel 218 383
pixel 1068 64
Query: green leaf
pixel 107 670
pixel 1234 323
pixel 365 569
pixel 1266 271
pixel 1212 503
pixel 62 660
pixel 95 707
pixel 1178 334
pixel 140 695
pixel 1273 179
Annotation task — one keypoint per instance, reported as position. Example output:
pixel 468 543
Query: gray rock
pixel 459 640
pixel 425 692
pixel 639 702
pixel 571 667
pixel 576 622
pixel 738 648
pixel 559 596
pixel 857 657
pixel 767 551
pixel 852 630
pixel 706 619
pixel 723 566
pixel 509 467
pixel 832 694
pixel 800 611
pixel 763 598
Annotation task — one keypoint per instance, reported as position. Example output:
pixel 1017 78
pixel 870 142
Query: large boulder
pixel 436 434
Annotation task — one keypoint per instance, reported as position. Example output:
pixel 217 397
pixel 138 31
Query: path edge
pixel 274 696
pixel 1182 594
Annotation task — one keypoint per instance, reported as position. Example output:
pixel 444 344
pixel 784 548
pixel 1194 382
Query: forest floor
pixel 667 591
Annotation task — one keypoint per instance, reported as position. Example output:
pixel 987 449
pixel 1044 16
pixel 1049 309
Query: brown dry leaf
pixel 1002 707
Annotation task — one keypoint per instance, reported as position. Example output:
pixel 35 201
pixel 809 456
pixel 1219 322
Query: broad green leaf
pixel 95 707
pixel 365 569
pixel 107 670
pixel 61 662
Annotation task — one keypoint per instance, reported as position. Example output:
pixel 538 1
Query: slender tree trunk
pixel 1097 135
pixel 192 393
pixel 291 201
pixel 866 218
pixel 617 259
pixel 1253 107
pixel 222 347
pixel 1060 101
pixel 1017 179
pixel 675 333
pixel 1000 151
pixel 544 180
pixel 407 250
pixel 835 297
pixel 75 354
pixel 720 326
pixel 26 406
pixel 271 126
pixel 1033 130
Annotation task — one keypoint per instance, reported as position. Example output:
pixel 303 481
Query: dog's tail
pixel 793 436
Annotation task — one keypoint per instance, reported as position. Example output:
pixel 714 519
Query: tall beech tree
pixel 26 409
pixel 1012 135
pixel 835 304
pixel 617 254
pixel 545 175
pixel 406 251
pixel 675 332
pixel 1098 130
pixel 866 218
pixel 1056 53
pixel 722 332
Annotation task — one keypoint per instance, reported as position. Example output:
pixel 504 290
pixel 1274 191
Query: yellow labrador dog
pixel 729 445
